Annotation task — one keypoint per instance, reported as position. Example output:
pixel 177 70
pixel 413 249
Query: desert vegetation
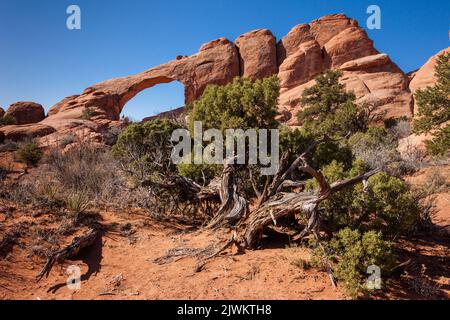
pixel 340 190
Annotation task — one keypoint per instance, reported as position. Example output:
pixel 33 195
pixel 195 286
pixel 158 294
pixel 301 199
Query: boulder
pixel 291 42
pixel 26 112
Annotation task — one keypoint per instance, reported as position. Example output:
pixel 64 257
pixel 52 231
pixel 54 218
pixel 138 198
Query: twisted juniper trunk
pixel 234 207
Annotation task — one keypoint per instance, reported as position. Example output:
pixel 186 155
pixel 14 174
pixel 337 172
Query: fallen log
pixel 70 251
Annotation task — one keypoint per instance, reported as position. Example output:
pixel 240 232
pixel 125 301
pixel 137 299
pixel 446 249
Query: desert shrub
pixel 396 211
pixel 351 253
pixel 377 148
pixel 401 128
pixel 144 150
pixel 435 182
pixel 433 104
pixel 112 135
pixel 87 168
pixel 7 120
pixel 200 173
pixel 295 141
pixel 9 146
pixel 77 203
pixel 88 113
pixel 29 153
pixel 241 104
pixel 386 205
pixel 440 144
pixel 67 139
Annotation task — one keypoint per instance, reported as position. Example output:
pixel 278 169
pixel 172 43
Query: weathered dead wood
pixel 70 251
pixel 233 241
pixel 283 204
pixel 234 207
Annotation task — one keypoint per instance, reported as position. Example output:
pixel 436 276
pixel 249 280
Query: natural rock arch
pixel 165 100
pixel 217 62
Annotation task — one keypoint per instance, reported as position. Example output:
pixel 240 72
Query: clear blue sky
pixel 41 60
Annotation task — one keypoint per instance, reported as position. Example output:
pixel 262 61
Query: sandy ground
pixel 121 267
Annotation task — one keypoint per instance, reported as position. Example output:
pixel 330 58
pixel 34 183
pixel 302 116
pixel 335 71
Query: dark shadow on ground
pixel 91 256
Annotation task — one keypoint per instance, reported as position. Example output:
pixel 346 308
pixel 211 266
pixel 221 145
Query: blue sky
pixel 41 60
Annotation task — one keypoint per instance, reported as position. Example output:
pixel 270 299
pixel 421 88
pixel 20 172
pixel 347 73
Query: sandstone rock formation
pixel 174 114
pixel 26 131
pixel 334 41
pixel 337 42
pixel 258 54
pixel 2 112
pixel 217 62
pixel 26 112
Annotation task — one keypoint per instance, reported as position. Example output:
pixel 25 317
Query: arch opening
pixel 163 97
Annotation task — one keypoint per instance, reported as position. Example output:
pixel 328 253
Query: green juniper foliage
pixel 29 153
pixel 433 104
pixel 7 120
pixel 241 104
pixel 387 205
pixel 145 149
pixel 329 109
pixel 351 253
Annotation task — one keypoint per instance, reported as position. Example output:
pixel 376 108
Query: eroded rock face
pixel 338 42
pixel 258 54
pixel 2 112
pixel 26 112
pixel 25 131
pixel 301 66
pixel 334 41
pixel 424 77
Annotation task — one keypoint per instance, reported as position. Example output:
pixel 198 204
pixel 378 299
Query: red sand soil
pixel 122 267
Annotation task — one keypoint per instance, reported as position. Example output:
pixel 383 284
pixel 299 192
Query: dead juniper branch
pixel 70 251
pixel 284 204
pixel 228 244
pixel 176 254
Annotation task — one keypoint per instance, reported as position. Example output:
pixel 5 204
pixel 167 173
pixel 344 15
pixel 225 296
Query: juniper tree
pixel 433 106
